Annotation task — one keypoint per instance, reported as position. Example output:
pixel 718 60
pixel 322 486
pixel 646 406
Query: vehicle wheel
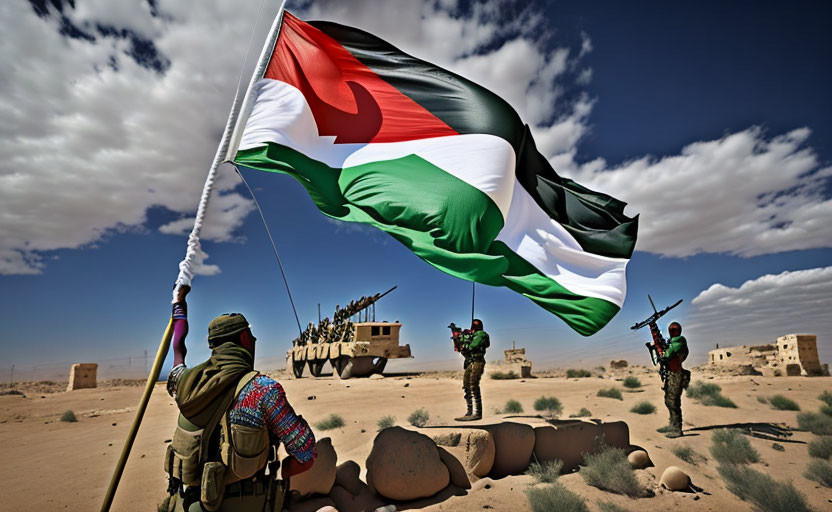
pixel 297 368
pixel 379 364
pixel 316 366
pixel 356 366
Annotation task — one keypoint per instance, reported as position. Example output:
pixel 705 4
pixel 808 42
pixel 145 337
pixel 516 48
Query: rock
pixel 458 475
pixel 514 443
pixel 405 465
pixel 347 476
pixel 484 483
pixel 321 476
pixel 376 376
pixel 568 442
pixel 479 452
pixel 618 364
pixel 639 459
pixel 311 505
pixel 675 479
pixel 347 502
pixel 451 439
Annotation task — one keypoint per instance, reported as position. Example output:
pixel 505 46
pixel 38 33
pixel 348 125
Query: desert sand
pixel 54 465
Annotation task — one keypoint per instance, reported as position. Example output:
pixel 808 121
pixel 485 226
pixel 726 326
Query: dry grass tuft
pixel 330 422
pixel 610 393
pixel 732 447
pixel 610 470
pixel 765 493
pixel 555 497
pixel 419 418
pixel 546 472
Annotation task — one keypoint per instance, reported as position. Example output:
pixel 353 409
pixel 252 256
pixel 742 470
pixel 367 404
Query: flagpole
pixel 225 151
pixel 473 295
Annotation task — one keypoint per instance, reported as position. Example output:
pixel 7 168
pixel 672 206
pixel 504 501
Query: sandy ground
pixel 53 465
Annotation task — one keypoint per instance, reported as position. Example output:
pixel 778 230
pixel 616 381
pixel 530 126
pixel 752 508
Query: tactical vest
pixel 196 457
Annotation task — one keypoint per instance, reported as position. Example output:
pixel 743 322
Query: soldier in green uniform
pixel 677 379
pixel 472 346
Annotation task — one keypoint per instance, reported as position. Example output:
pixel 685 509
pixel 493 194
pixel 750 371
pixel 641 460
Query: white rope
pixel 193 253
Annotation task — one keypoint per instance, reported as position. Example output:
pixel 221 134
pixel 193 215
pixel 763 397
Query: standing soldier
pixel 232 419
pixel 677 379
pixel 472 345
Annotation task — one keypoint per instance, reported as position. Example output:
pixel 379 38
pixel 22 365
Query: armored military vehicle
pixel 353 343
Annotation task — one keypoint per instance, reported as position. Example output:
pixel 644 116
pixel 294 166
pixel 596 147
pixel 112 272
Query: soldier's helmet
pixel 225 328
pixel 476 325
pixel 675 327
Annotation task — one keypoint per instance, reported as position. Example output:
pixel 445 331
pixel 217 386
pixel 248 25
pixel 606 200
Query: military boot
pixel 470 412
pixel 477 405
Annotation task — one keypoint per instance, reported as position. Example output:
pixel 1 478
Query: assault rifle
pixel 456 336
pixel 659 344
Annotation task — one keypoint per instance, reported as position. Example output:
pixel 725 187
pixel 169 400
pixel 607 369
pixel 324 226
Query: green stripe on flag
pixel 408 198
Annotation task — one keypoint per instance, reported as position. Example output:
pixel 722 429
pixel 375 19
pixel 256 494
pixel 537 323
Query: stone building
pixel 82 375
pixel 515 360
pixel 793 354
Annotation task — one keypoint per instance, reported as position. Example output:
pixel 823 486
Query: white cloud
pixel 92 136
pixel 763 309
pixel 745 194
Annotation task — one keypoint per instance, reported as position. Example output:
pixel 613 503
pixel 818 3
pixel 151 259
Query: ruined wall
pixel 793 354
pixel 800 350
pixel 82 375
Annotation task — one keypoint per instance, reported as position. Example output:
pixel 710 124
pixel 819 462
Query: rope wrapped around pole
pixel 193 254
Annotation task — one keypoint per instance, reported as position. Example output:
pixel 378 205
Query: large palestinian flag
pixel 443 165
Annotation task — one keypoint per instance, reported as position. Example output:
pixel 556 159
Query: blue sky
pixel 698 115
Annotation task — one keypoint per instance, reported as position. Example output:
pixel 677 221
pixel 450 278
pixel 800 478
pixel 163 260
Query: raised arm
pixel 179 314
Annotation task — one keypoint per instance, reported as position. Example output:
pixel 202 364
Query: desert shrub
pixel 419 418
pixel 572 373
pixel 820 471
pixel 610 470
pixel 386 422
pixel 69 417
pixel 818 424
pixel 767 494
pixel 826 409
pixel 782 403
pixel 826 397
pixel 762 399
pixel 700 389
pixel 547 472
pixel 606 506
pixel 330 422
pixel 631 382
pixel 555 497
pixel 513 407
pixel 583 413
pixel 719 401
pixel 610 393
pixel 549 404
pixel 731 447
pixel 643 408
pixel 709 394
pixel 509 375
pixel 688 454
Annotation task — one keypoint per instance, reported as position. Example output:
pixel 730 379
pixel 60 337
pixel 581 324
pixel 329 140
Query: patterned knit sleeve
pixel 290 428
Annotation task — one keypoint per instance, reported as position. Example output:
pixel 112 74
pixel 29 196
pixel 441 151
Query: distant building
pixel 515 360
pixel 793 354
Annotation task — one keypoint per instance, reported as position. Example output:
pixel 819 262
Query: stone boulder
pixel 347 475
pixel 639 459
pixel 405 465
pixel 514 443
pixel 479 452
pixel 347 502
pixel 674 479
pixel 568 442
pixel 321 476
pixel 458 475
